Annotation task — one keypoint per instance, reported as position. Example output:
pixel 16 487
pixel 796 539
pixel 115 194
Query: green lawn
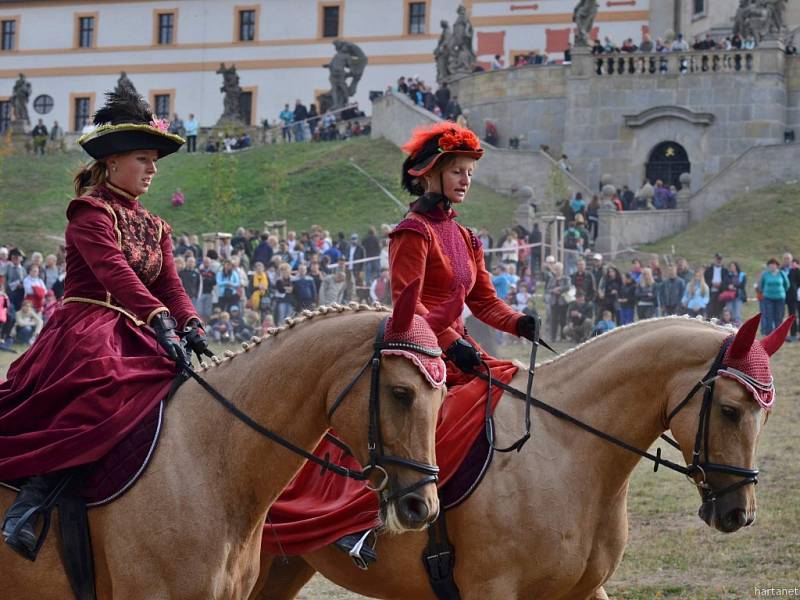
pixel 749 229
pixel 302 183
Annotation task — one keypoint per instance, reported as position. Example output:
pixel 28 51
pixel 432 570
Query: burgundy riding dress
pixel 95 370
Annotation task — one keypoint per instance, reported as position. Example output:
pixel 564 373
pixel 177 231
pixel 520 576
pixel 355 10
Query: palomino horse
pixel 191 527
pixel 551 522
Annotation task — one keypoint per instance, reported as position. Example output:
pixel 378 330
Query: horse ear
pixel 405 307
pixel 774 340
pixel 744 338
pixel 441 317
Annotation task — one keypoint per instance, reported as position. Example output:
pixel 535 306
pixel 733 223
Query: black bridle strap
pixel 268 433
pixel 655 458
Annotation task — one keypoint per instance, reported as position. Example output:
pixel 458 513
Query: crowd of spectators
pixel 302 124
pixel 678 44
pixel 597 297
pixel 251 281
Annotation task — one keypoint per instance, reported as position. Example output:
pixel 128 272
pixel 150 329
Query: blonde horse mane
pixel 291 322
pixel 713 324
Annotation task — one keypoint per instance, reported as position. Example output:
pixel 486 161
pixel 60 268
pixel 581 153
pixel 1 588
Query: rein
pixel 701 438
pixel 378 458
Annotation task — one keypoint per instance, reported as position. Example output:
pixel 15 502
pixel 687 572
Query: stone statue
pixel 760 18
pixel 349 62
pixel 232 110
pixel 19 100
pixel 583 16
pixel 442 53
pixel 123 83
pixel 461 57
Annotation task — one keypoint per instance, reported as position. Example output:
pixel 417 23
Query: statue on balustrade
pixel 123 84
pixel 760 18
pixel 349 62
pixel 583 16
pixel 461 56
pixel 442 53
pixel 232 108
pixel 19 100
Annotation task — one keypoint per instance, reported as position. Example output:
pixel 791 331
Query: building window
pixel 166 28
pixel 43 104
pixel 416 18
pixel 9 35
pixel 82 113
pixel 330 21
pixel 247 25
pixel 246 107
pixel 85 32
pixel 5 115
pixel 699 7
pixel 161 105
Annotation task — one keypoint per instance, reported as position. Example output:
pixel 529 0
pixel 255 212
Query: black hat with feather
pixel 125 124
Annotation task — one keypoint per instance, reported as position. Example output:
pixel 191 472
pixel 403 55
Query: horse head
pixel 718 425
pixel 409 389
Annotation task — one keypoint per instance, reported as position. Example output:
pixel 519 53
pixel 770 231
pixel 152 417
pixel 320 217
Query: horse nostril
pixel 737 518
pixel 414 508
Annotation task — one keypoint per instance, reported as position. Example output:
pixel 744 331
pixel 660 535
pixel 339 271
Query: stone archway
pixel 666 162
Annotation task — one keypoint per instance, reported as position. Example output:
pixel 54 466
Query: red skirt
pixel 87 381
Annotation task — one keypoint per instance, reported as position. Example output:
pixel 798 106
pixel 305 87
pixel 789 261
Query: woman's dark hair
pixel 773 260
pixel 738 269
pixel 89 177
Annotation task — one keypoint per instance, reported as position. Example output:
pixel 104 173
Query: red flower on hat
pixel 461 139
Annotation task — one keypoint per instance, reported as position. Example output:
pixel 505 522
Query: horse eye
pixel 403 395
pixel 731 413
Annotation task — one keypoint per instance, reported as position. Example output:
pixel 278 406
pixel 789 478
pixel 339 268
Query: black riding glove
pixel 164 326
pixel 464 355
pixel 195 337
pixel 527 327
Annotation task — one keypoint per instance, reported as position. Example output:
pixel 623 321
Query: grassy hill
pixel 749 229
pixel 302 183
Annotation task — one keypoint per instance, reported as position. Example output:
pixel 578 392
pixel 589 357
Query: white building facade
pixel 72 52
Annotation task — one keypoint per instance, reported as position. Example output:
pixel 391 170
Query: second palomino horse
pixel 551 522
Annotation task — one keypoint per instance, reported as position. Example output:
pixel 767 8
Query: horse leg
pixel 281 578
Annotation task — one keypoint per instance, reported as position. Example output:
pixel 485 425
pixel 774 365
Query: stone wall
pixel 528 101
pixel 619 231
pixel 793 93
pixel 615 118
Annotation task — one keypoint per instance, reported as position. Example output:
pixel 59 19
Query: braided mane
pixel 290 322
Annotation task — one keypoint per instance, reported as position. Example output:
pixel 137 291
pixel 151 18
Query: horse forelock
pixel 634 327
pixel 327 311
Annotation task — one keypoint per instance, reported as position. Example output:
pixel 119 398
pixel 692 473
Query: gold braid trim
pixel 156 311
pixel 119 309
pixel 106 129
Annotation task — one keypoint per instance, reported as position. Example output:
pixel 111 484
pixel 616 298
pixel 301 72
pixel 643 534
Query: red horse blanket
pixel 317 508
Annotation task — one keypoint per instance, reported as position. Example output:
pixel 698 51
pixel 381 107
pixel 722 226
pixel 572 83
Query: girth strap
pixel 439 560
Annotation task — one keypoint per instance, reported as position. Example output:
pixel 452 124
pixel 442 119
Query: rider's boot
pixel 19 530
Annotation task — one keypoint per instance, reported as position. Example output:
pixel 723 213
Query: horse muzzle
pixel 726 521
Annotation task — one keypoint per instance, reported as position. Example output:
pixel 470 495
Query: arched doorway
pixel 667 161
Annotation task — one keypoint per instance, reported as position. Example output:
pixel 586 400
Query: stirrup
pixel 18 544
pixel 358 549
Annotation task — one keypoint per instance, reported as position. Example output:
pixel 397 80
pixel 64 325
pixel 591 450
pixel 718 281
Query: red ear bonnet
pixel 409 335
pixel 747 360
pixel 404 308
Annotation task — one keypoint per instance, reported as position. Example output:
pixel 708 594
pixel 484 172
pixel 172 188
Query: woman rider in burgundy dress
pixel 109 354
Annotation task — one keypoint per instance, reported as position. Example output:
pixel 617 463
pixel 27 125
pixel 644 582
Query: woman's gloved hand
pixel 464 355
pixel 528 326
pixel 195 337
pixel 164 326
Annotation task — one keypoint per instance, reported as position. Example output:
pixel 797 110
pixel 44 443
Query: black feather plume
pixel 125 106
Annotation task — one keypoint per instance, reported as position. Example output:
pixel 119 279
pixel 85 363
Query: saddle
pixel 94 485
